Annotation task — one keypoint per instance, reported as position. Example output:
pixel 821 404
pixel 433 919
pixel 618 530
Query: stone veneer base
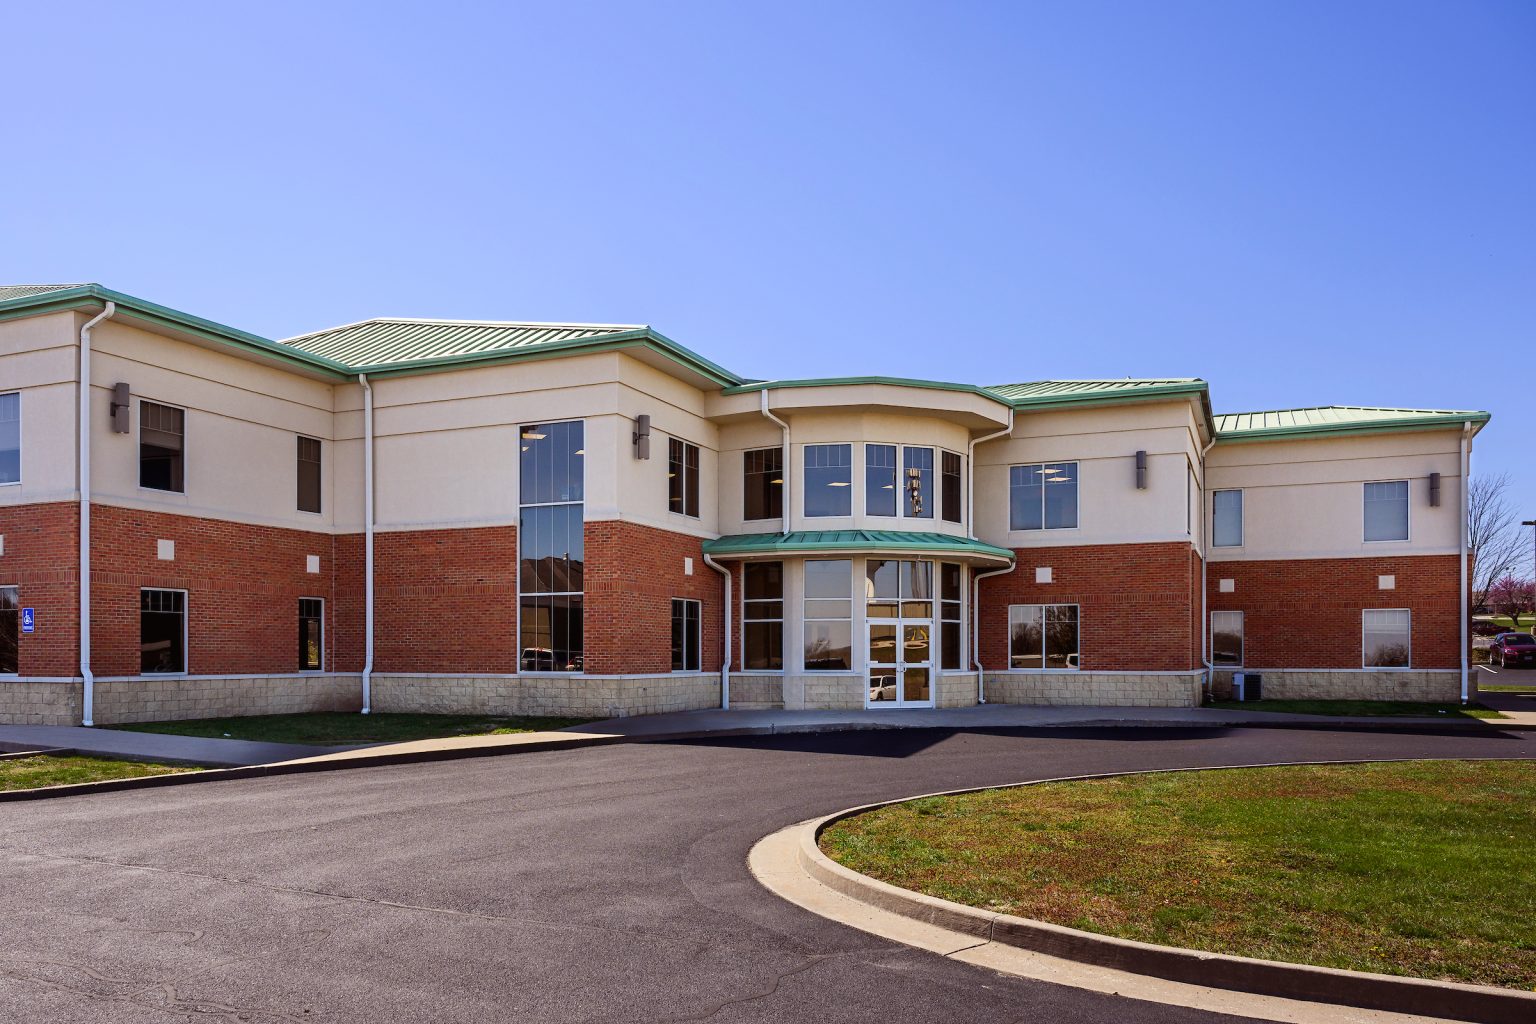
pixel 175 698
pixel 572 696
pixel 1434 685
pixel 1108 689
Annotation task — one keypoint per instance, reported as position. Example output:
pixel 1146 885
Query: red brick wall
pixel 345 613
pixel 1135 601
pixel 1305 613
pixel 444 600
pixel 243 582
pixel 632 574
pixel 42 553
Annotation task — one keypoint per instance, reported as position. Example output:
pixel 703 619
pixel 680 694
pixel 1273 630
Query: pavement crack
pixel 772 990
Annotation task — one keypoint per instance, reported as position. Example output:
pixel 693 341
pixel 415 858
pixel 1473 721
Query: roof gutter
pixel 88 697
pixel 1205 598
pixel 784 495
pixel 362 379
pixel 970 459
pixel 1466 468
pixel 725 657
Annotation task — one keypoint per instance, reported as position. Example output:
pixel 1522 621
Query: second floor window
pixel 1386 510
pixel 683 478
pixel 1227 519
pixel 762 483
pixel 917 482
pixel 880 479
pixel 949 497
pixel 162 437
pixel 1043 496
pixel 10 438
pixel 828 480
pixel 309 475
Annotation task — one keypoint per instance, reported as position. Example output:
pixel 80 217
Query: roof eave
pixel 1322 430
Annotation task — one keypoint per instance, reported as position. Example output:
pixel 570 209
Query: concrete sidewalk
pixel 151 746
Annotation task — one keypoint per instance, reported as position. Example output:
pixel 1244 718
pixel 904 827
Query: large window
pixel 1043 496
pixel 829 615
pixel 762 483
pixel 1388 638
pixel 1042 636
pixel 1386 510
pixel 162 438
pixel 950 589
pixel 949 496
pixel 898 588
pixel 828 480
pixel 683 478
pixel 551 547
pixel 880 479
pixel 917 464
pixel 10 438
pixel 309 475
pixel 10 631
pixel 1226 639
pixel 162 631
pixel 1227 519
pixel 685 635
pixel 311 634
pixel 762 613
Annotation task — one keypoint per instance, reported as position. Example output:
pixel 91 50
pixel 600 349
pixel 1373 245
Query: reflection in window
pixel 949 498
pixel 551 555
pixel 763 483
pixel 949 612
pixel 685 635
pixel 10 438
pixel 683 478
pixel 1042 636
pixel 880 479
pixel 828 480
pixel 919 482
pixel 828 614
pixel 1227 519
pixel 895 587
pixel 162 435
pixel 762 613
pixel 311 634
pixel 162 631
pixel 10 632
pixel 1043 496
pixel 1388 638
pixel 1226 639
pixel 1386 510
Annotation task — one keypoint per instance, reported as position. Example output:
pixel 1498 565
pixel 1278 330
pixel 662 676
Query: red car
pixel 1513 649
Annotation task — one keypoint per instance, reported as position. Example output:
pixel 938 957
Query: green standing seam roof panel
pixel 1331 420
pixel 813 541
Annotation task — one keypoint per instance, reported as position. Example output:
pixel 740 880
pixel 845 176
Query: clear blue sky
pixel 1303 202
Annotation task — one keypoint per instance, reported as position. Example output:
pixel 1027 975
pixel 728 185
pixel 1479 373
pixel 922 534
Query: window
pixel 762 614
pixel 1042 636
pixel 1388 639
pixel 10 438
pixel 898 588
pixel 551 547
pixel 309 475
pixel 311 634
pixel 949 492
pixel 762 481
pixel 1227 519
pixel 162 433
pixel 685 635
pixel 949 613
pixel 162 631
pixel 880 479
pixel 10 631
pixel 683 478
pixel 918 466
pixel 828 479
pixel 829 615
pixel 1043 496
pixel 1226 637
pixel 1189 499
pixel 1386 510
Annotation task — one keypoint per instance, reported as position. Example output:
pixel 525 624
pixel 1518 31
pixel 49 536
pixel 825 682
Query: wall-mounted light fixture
pixel 1141 471
pixel 121 403
pixel 1434 490
pixel 642 436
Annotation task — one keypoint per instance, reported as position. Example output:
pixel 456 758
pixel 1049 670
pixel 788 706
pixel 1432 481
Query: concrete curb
pixel 1483 1004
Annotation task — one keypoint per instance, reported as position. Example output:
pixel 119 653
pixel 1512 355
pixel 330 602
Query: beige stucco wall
pixel 1306 499
pixel 37 359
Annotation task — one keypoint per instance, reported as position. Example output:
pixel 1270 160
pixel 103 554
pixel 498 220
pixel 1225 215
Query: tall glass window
pixel 762 483
pixel 311 634
pixel 950 589
pixel 551 547
pixel 1386 510
pixel 880 479
pixel 949 498
pixel 1227 516
pixel 828 615
pixel 1042 636
pixel 1388 638
pixel 918 476
pixel 309 474
pixel 10 631
pixel 828 480
pixel 1043 496
pixel 685 635
pixel 1226 639
pixel 10 438
pixel 162 438
pixel 762 614
pixel 162 631
pixel 683 478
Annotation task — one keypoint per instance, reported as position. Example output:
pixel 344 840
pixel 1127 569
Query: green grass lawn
pixel 340 727
pixel 1509 687
pixel 1417 869
pixel 43 770
pixel 1388 708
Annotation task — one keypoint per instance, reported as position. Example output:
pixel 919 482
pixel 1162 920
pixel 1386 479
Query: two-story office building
pixel 590 519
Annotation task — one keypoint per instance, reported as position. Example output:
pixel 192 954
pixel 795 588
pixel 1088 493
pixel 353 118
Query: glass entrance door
pixel 899 624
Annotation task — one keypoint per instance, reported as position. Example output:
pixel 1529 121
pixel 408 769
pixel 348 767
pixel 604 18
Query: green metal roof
pixel 1336 420
pixel 1040 391
pixel 22 291
pixel 825 541
pixel 399 340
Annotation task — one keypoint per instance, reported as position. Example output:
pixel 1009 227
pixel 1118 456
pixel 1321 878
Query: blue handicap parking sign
pixel 28 620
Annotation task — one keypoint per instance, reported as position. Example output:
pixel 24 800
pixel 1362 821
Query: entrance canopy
pixel 856 542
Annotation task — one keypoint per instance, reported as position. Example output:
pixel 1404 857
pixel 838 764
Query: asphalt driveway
pixel 606 884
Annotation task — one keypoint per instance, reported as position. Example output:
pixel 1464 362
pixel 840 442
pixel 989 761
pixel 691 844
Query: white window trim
pixel 312 671
pixel 741 641
pixel 685 514
pixel 1386 668
pixel 16 587
pixel 186 623
pixel 1394 480
pixel 1076 468
pixel 138 469
pixel 1242 633
pixel 1242 517
pixel 1043 668
pixel 749 451
pixel 20 441
pixel 685 670
pixel 805 470
pixel 517 641
pixel 300 511
pixel 938 486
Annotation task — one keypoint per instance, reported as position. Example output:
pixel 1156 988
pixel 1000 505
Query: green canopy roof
pixel 811 542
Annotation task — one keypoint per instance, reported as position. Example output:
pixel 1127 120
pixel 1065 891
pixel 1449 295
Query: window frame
pixel 774 495
pixel 1242 640
pixel 522 507
pixel 1077 507
pixel 805 486
pixel 1407 536
pixel 139 426
pixel 319 464
pixel 1242 522
pixel 687 605
pixel 806 620
pixel 20 440
pixel 1077 617
pixel 895 480
pixel 15 614
pixel 747 622
pixel 943 606
pixel 959 478
pixel 683 478
pixel 321 619
pixel 186 631
pixel 1364 632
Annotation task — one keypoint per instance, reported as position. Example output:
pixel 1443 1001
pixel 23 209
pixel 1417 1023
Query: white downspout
pixel 1205 553
pixel 970 458
pixel 981 693
pixel 362 379
pixel 1466 469
pixel 89 689
pixel 785 459
pixel 725 662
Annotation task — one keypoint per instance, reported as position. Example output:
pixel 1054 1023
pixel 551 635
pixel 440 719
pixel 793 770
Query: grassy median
pixel 1417 869
pixel 43 770
pixel 337 728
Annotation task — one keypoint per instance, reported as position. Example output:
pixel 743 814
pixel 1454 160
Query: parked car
pixel 1486 627
pixel 1513 649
